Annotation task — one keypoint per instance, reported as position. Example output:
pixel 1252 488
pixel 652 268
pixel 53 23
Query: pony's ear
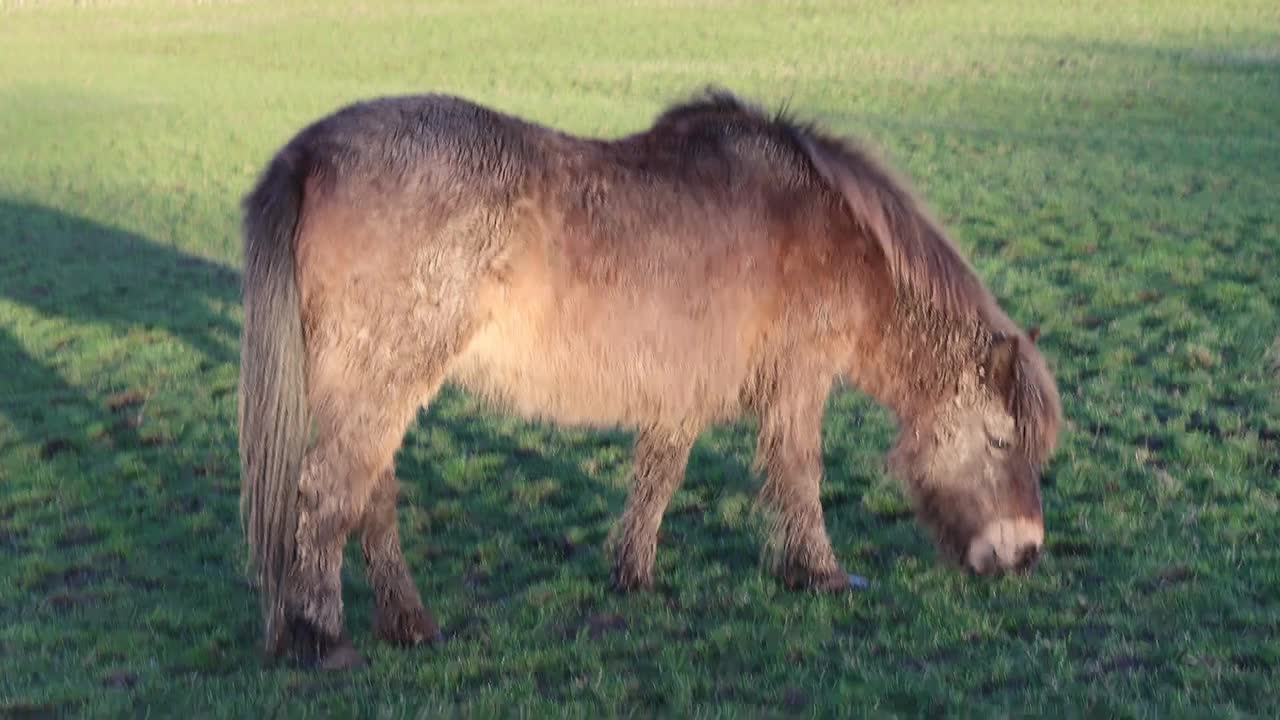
pixel 1001 367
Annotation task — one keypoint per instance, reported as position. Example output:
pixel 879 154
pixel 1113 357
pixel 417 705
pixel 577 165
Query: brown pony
pixel 723 262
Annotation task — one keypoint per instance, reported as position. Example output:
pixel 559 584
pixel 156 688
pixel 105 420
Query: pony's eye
pixel 999 443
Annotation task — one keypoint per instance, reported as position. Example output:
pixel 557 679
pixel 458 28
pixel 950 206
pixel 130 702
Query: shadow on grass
pixel 72 270
pixel 121 543
pixel 105 509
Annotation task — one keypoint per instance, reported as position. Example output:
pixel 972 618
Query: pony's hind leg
pixel 658 470
pixel 327 498
pixel 400 617
pixel 358 435
pixel 790 452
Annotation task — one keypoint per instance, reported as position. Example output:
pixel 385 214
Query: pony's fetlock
pixel 406 625
pixel 630 575
pixel 828 580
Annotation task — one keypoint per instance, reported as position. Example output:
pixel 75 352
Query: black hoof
pixel 315 649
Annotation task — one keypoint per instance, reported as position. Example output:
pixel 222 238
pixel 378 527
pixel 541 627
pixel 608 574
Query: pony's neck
pixel 913 357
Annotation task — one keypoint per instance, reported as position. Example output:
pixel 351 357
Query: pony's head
pixel 979 408
pixel 972 464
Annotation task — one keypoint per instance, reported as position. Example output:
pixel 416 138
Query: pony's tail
pixel 275 420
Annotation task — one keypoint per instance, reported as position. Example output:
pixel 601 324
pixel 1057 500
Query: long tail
pixel 274 418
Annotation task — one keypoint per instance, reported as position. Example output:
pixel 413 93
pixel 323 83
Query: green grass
pixel 1112 169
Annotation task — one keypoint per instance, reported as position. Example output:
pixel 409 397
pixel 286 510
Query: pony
pixel 723 263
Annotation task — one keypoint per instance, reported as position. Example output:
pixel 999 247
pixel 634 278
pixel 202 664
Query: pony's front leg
pixel 659 463
pixel 789 451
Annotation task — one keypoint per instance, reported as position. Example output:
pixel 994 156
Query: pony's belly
pixel 597 369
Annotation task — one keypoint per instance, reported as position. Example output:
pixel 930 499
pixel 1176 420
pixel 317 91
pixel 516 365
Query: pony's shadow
pixel 105 507
pixel 544 503
pixel 64 269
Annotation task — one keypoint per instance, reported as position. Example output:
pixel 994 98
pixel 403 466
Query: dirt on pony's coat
pixel 722 262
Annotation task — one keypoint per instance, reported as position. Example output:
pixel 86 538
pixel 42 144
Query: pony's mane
pixel 928 272
pixel 711 104
pixel 922 260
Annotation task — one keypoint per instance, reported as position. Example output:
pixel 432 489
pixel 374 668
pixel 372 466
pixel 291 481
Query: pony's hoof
pixel 834 581
pixel 407 628
pixel 625 582
pixel 313 648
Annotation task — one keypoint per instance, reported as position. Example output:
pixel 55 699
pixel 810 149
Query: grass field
pixel 1113 170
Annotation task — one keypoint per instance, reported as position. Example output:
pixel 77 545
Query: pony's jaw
pixel 1005 545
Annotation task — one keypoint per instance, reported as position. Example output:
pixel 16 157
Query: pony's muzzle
pixel 1005 545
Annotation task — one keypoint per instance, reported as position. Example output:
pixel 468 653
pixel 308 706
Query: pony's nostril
pixel 1028 556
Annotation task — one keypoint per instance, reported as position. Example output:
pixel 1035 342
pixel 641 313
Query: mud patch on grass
pixel 1072 549
pixel 1092 633
pixel 24 709
pixel 795 699
pixel 693 509
pixel 120 402
pixel 472 628
pixel 186 504
pixel 1251 662
pixel 73 578
pixel 77 536
pixel 144 583
pixel 55 447
pixel 1169 578
pixel 559 545
pixel 127 424
pixel 211 467
pixel 119 680
pixel 602 624
pixel 156 439
pixel 1154 444
pixel 1201 423
pixel 1164 412
pixel 476 578
pixel 69 601
pixel 992 688
pixel 595 625
pixel 81 577
pixel 1123 665
pixel 11 543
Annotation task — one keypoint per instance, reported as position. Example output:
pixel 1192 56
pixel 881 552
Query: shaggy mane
pixel 923 262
